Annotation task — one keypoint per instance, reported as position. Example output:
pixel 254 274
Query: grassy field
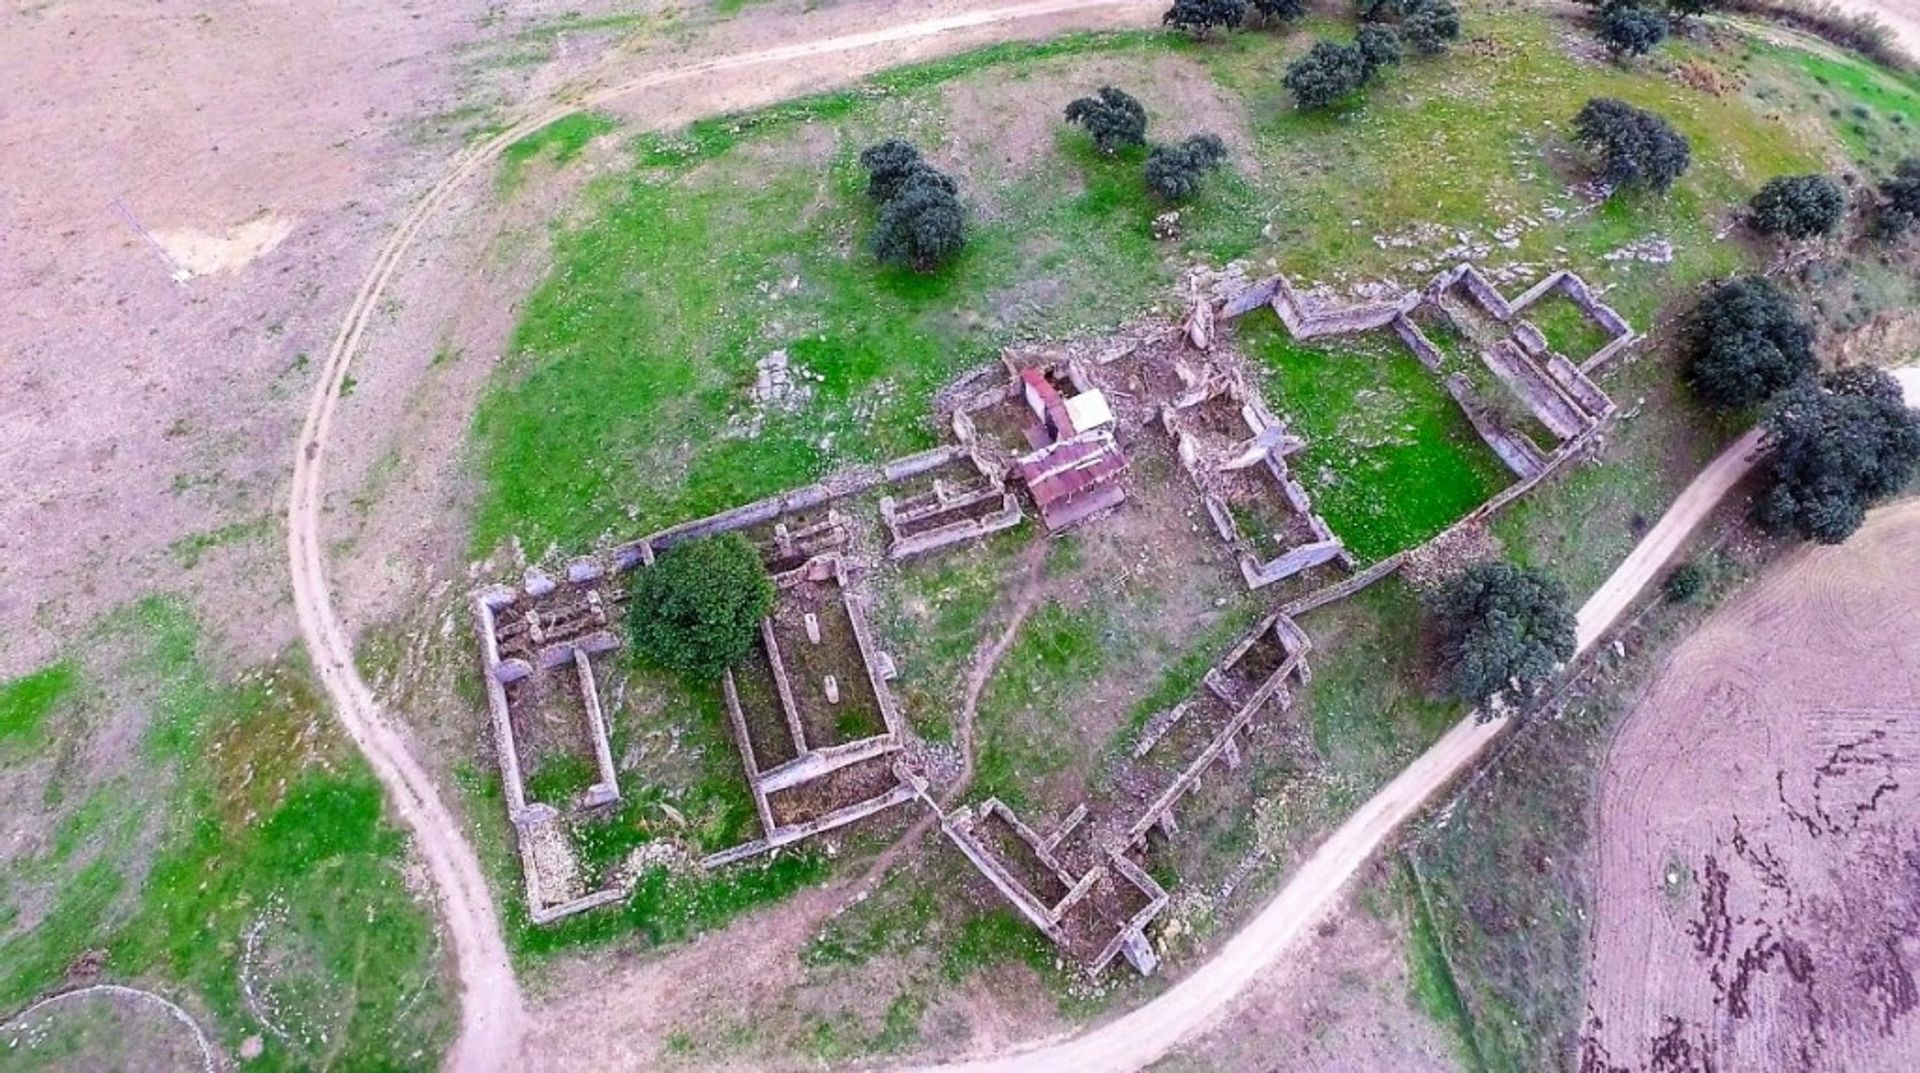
pixel 1390 458
pixel 623 402
pixel 254 818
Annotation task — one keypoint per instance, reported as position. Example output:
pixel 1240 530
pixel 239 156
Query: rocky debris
pixel 1167 225
pixel 1652 250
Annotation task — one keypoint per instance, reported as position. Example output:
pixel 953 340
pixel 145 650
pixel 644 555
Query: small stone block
pixel 832 687
pixel 581 571
pixel 813 627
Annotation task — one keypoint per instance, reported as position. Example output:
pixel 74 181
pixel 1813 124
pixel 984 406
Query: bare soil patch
pixel 1342 1002
pixel 1758 894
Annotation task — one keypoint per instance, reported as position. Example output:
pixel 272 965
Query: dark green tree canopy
pixel 1112 116
pixel 1174 171
pixel 888 164
pixel 1280 10
pixel 1747 344
pixel 1328 72
pixel 1379 47
pixel 1627 29
pixel 1430 26
pixel 1838 446
pixel 923 226
pixel 1201 17
pixel 1379 10
pixel 1499 626
pixel 1633 147
pixel 1799 206
pixel 922 222
pixel 697 609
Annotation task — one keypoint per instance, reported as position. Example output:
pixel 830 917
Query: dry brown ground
pixel 1759 863
pixel 1341 1004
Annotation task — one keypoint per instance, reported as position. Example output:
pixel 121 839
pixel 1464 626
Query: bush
pixel 1748 343
pixel 1379 47
pixel 1686 582
pixel 1799 206
pixel 1431 26
pixel 1838 446
pixel 1378 10
pixel 1500 627
pixel 923 226
pixel 1113 117
pixel 922 222
pixel 1328 72
pixel 697 609
pixel 1280 10
pixel 888 164
pixel 1174 171
pixel 1899 199
pixel 1681 10
pixel 1636 148
pixel 1201 17
pixel 1627 29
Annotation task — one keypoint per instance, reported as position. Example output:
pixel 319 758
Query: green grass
pixel 631 360
pixel 1874 112
pixel 1390 458
pixel 1024 730
pixel 1434 989
pixel 189 550
pixel 558 142
pixel 232 812
pixel 26 701
pixel 1569 332
pixel 560 779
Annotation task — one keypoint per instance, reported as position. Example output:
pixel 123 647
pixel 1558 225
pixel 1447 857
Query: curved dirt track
pixel 492 1016
pixel 1138 1039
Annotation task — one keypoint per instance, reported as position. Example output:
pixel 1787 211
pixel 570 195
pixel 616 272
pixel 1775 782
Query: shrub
pixel 1379 47
pixel 1174 171
pixel 1499 627
pixel 1635 147
pixel 923 226
pixel 922 222
pixel 697 609
pixel 888 164
pixel 1838 446
pixel 1627 29
pixel 1431 26
pixel 1279 10
pixel 1378 10
pixel 1201 17
pixel 1899 199
pixel 1748 343
pixel 1686 582
pixel 1328 72
pixel 1113 117
pixel 1681 10
pixel 1799 206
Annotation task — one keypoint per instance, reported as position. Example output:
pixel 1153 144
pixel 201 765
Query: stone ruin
pixel 528 636
pixel 1235 451
pixel 817 670
pixel 812 714
pixel 1555 392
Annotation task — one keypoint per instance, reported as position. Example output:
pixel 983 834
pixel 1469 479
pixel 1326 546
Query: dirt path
pixel 1138 1039
pixel 492 1016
